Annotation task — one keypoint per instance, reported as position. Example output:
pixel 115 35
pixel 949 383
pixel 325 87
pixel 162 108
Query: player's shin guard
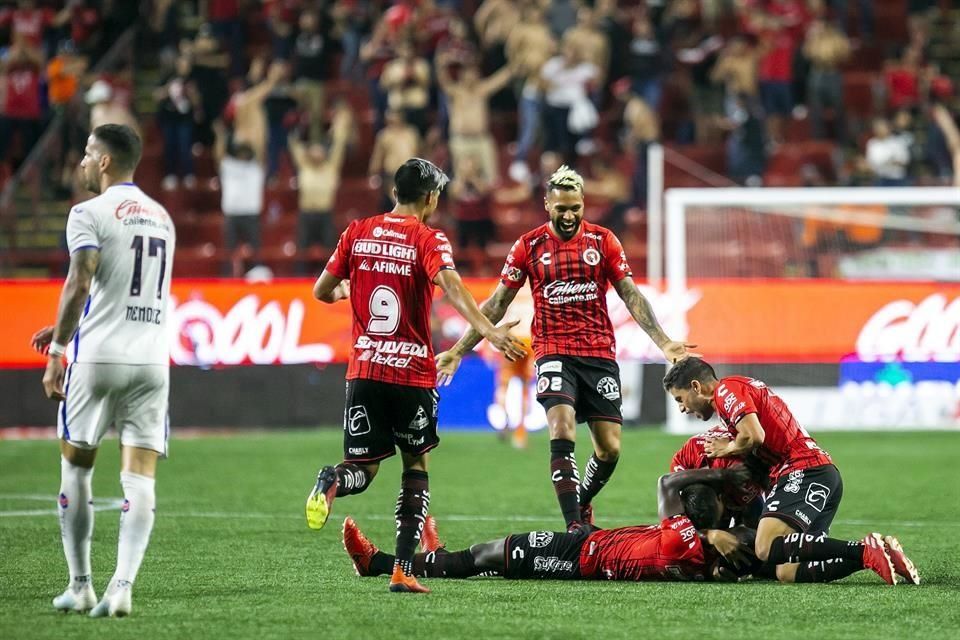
pixel 806 547
pixel 413 504
pixel 136 523
pixel 352 479
pixel 595 477
pixel 827 570
pixel 76 520
pixel 566 478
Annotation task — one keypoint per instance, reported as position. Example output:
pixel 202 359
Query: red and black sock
pixel 595 476
pixel 566 478
pixel 806 547
pixel 413 504
pixel 827 570
pixel 351 479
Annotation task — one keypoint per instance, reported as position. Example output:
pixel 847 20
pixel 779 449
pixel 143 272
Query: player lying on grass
pixel 798 511
pixel 684 546
pixel 742 503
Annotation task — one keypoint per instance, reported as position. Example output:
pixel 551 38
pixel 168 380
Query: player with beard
pixel 685 545
pixel 798 511
pixel 387 265
pixel 570 264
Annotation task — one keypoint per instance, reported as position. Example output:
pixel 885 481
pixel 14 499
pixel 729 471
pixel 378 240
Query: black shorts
pixel 379 416
pixel 590 385
pixel 808 499
pixel 544 555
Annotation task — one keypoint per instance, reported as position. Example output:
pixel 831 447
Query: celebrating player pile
pixel 388 265
pixel 121 257
pixel 798 511
pixel 570 264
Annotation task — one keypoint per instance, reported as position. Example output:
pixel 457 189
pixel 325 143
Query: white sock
pixel 75 505
pixel 136 523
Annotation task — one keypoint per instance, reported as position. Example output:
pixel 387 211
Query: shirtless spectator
pixel 249 115
pixel 318 178
pixel 592 43
pixel 470 117
pixel 826 48
pixel 472 196
pixel 406 80
pixel 395 144
pixel 736 70
pixel 494 20
pixel 530 45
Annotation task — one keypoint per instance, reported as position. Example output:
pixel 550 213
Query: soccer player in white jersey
pixel 112 325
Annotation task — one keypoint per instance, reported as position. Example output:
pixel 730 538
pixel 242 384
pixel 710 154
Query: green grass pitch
pixel 231 556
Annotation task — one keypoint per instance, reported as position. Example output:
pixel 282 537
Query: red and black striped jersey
pixel 569 280
pixel 391 262
pixel 669 551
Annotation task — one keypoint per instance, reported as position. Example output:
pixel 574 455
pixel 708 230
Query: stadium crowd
pixel 498 94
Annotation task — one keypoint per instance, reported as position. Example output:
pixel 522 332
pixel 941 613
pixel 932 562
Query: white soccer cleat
pixel 80 601
pixel 116 603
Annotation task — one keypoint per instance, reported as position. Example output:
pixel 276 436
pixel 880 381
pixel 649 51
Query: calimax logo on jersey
pixel 383 249
pixel 380 232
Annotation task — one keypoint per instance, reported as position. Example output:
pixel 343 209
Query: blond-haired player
pixel 570 264
pixel 112 325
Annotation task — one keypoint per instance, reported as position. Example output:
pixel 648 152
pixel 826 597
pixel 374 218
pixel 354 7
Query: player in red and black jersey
pixel 798 511
pixel 570 264
pixel 684 546
pixel 387 265
pixel 743 503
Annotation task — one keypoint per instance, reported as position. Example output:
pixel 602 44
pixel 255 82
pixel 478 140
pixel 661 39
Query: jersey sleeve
pixel 82 232
pixel 436 253
pixel 689 456
pixel 514 272
pixel 615 259
pixel 339 263
pixel 733 400
pixel 680 540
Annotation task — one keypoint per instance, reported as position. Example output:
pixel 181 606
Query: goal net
pixel 845 300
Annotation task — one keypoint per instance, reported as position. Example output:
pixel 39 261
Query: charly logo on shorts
pixel 608 388
pixel 420 421
pixel 539 539
pixel 542 384
pixel 357 421
pixel 817 495
pixel 591 256
pixel 793 481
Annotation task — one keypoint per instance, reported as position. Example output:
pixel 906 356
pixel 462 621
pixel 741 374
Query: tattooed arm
pixel 76 290
pixel 493 309
pixel 642 313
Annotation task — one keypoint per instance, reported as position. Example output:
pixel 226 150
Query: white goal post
pixel 687 209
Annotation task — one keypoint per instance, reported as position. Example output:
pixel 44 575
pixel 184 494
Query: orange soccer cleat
pixel 429 538
pixel 875 558
pixel 402 583
pixel 360 550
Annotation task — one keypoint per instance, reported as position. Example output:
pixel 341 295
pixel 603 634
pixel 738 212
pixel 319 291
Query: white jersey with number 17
pixel 125 318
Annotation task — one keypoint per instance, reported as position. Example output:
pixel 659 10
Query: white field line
pixel 112 504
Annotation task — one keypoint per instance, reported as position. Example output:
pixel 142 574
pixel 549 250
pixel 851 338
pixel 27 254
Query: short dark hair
pixel 416 178
pixel 701 506
pixel 122 143
pixel 686 371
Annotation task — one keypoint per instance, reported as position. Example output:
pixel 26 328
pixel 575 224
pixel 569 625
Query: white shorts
pixel 131 397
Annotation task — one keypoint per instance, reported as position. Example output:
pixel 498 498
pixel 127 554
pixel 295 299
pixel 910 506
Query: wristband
pixel 56 350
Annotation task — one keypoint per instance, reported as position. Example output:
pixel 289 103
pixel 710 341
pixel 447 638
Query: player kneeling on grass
pixel 798 511
pixel 684 546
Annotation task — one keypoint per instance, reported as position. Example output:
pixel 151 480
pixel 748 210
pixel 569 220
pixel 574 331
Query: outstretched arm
pixel 76 290
pixel 642 313
pixel 500 337
pixel 493 309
